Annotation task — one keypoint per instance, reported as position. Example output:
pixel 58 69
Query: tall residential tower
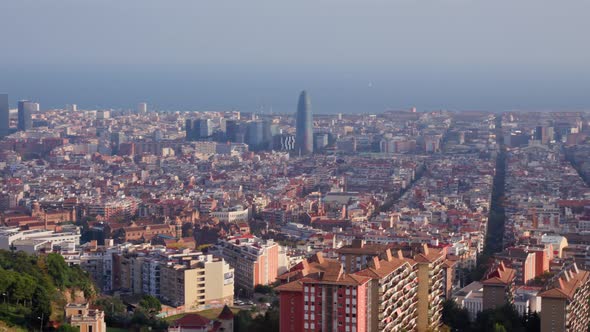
pixel 304 135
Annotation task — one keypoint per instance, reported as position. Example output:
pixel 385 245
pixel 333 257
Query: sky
pixel 432 53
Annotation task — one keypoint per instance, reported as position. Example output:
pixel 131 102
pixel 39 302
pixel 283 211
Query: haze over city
pixel 355 56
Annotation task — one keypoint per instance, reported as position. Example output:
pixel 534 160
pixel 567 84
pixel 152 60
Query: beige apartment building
pixel 430 275
pixel 197 283
pixel 129 277
pixel 430 287
pixel 392 296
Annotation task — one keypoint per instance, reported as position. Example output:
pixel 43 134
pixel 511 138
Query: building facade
pixel 256 262
pixel 564 303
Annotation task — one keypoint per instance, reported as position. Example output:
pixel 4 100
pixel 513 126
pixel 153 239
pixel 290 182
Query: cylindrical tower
pixel 304 125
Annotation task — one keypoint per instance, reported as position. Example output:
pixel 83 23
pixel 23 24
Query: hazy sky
pixel 352 55
pixel 348 32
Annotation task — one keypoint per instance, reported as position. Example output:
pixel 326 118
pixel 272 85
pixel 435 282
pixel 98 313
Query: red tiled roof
pixel 226 313
pixel 191 321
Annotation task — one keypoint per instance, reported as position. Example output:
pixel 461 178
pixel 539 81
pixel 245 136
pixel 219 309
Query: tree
pixel 139 318
pixel 499 328
pixel 453 316
pixel 23 287
pixel 242 321
pixel 263 289
pixel 28 289
pixel 57 269
pixel 41 305
pixel 114 309
pixel 68 328
pixel 6 280
pixel 267 323
pixel 150 304
pixel 506 316
pixel 110 305
pixel 532 322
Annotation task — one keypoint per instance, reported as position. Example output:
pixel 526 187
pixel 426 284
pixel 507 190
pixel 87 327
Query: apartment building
pixel 358 254
pixel 433 271
pixel 197 282
pixel 400 291
pixel 130 266
pixel 324 298
pixel 498 286
pixel 151 275
pixel 233 214
pixel 255 261
pixel 98 262
pixel 564 302
pixel 114 208
pixel 431 288
pixel 186 277
pixel 392 295
pixel 471 298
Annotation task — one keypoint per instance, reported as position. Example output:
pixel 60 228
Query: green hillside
pixel 32 288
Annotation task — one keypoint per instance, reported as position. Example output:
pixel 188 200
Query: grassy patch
pixel 4 327
pixel 116 329
pixel 13 315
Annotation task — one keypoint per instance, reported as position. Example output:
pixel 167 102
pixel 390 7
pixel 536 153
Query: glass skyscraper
pixel 304 125
pixel 25 111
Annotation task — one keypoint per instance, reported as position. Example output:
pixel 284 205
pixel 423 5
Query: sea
pixel 275 88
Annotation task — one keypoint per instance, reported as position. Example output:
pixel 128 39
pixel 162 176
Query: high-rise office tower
pixel 200 129
pixel 117 139
pixel 203 127
pixel 304 125
pixel 142 108
pixel 4 115
pixel 189 129
pixel 267 133
pixel 25 111
pixel 232 129
pixel 320 141
pixel 255 134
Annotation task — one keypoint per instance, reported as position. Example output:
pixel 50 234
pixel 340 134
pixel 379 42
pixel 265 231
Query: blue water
pixel 264 88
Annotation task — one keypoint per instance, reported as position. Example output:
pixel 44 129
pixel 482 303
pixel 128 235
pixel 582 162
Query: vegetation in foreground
pixel 505 318
pixel 33 288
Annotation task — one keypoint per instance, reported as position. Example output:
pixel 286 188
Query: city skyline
pixel 163 166
pixel 367 57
